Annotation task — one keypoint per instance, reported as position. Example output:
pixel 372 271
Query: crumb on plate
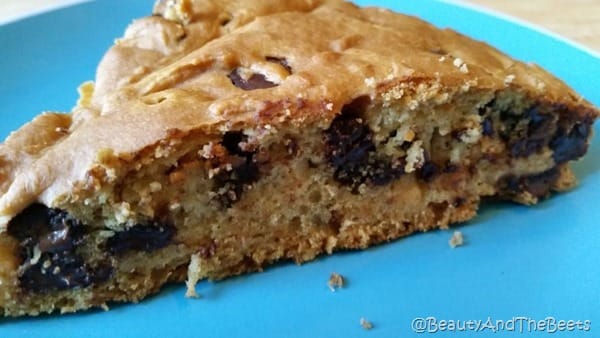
pixel 456 240
pixel 335 281
pixel 367 325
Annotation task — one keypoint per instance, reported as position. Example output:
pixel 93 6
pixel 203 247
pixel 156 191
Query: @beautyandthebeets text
pixel 520 324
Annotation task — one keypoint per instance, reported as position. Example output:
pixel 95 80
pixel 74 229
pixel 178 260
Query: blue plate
pixel 519 264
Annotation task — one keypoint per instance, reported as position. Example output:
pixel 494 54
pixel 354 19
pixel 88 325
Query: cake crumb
pixel 155 186
pixel 461 65
pixel 86 91
pixel 178 11
pixel 37 254
pixel 540 85
pixel 415 157
pixel 471 135
pixel 193 276
pixel 410 135
pixel 509 79
pixel 456 240
pixel 335 281
pixel 367 325
pixel 370 82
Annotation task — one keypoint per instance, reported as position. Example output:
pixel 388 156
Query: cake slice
pixel 220 137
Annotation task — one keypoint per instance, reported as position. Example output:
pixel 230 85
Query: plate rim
pixel 522 23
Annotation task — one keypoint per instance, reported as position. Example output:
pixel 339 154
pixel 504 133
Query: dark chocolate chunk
pixel 229 184
pixel 357 107
pixel 141 237
pixel 383 172
pixel 487 127
pixel 483 110
pixel 29 224
pixel 350 150
pixel 56 235
pixel 539 185
pixel 62 271
pixel 428 171
pixel 458 202
pixel 52 229
pixel 255 81
pixel 65 232
pixel 231 142
pixel 450 168
pixel 529 133
pixel 570 145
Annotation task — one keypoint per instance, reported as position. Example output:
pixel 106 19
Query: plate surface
pixel 522 263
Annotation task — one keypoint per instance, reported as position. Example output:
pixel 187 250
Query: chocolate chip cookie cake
pixel 221 136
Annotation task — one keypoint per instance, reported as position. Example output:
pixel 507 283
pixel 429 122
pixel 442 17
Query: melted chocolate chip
pixel 141 237
pixel 255 81
pixel 382 172
pixel 529 133
pixel 539 185
pixel 28 225
pixel 230 184
pixel 485 109
pixel 62 271
pixel 450 168
pixel 56 235
pixel 52 230
pixel 428 171
pixel 351 152
pixel 231 142
pixel 65 232
pixel 487 127
pixel 458 202
pixel 570 145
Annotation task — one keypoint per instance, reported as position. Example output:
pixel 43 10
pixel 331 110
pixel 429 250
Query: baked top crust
pixel 171 76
